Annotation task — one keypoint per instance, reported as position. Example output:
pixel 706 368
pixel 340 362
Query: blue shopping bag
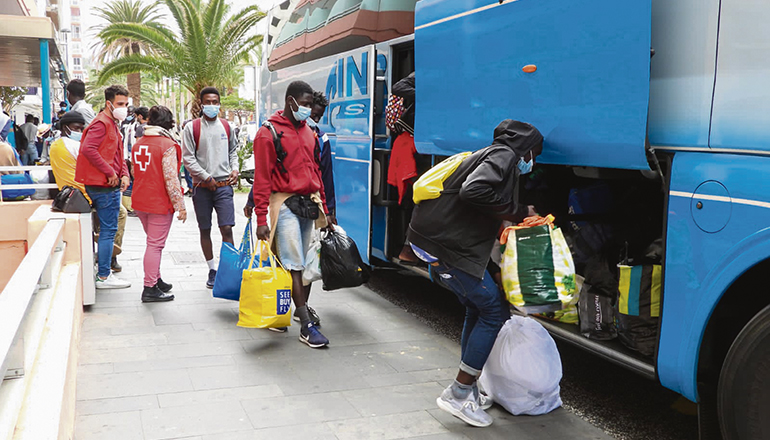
pixel 232 263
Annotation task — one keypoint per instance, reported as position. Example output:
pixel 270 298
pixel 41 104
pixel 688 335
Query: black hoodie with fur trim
pixel 460 226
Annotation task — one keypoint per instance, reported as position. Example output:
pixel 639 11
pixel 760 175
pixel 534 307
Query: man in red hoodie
pixel 102 169
pixel 288 184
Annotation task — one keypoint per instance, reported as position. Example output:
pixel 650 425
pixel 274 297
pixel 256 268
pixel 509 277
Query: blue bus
pixel 663 103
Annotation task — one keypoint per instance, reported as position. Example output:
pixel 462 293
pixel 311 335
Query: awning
pixel 318 28
pixel 20 42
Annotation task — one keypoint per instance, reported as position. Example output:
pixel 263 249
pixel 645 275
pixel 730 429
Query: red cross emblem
pixel 142 157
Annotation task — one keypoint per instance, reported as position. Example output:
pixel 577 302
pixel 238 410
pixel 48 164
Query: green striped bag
pixel 537 270
pixel 638 307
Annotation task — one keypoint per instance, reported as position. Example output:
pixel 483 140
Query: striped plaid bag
pixel 638 307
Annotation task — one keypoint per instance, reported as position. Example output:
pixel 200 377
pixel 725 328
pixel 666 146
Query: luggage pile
pixel 572 278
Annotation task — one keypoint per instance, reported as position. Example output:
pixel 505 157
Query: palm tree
pixel 148 95
pixel 210 43
pixel 110 48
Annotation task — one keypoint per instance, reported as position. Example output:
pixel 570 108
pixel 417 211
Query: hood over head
pixel 519 136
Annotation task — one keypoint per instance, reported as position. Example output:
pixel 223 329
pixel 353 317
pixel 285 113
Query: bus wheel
pixel 744 383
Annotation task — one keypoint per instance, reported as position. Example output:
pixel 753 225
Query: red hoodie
pixel 303 175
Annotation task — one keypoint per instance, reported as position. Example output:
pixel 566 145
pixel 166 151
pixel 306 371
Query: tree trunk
pixel 195 108
pixel 134 81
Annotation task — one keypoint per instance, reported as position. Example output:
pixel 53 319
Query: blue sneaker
pixel 212 278
pixel 312 337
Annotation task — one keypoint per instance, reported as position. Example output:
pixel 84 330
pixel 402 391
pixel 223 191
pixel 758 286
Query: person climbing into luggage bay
pixel 455 233
pixel 288 183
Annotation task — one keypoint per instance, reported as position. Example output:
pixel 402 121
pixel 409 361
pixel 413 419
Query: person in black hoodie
pixel 455 234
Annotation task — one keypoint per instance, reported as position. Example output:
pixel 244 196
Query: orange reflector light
pixel 529 68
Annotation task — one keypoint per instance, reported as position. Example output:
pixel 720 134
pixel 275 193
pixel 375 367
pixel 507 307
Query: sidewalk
pixel 184 370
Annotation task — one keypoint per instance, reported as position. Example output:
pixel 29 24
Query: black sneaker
pixel 163 286
pixel 154 294
pixel 115 266
pixel 313 317
pixel 212 277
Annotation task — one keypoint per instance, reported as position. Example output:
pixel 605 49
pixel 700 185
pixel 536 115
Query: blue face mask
pixel 211 111
pixel 311 122
pixel 302 113
pixel 525 167
pixel 76 136
pixel 130 118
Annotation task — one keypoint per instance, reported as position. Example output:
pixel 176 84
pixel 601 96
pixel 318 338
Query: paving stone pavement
pixel 184 370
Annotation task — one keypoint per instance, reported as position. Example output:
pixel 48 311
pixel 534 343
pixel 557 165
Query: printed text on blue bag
pixel 284 301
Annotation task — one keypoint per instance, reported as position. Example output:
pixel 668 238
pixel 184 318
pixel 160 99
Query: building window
pixel 74 2
pixel 76 32
pixel 78 76
pixel 76 63
pixel 76 47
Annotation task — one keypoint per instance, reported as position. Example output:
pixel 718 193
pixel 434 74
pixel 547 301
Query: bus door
pixel 395 60
pixel 578 71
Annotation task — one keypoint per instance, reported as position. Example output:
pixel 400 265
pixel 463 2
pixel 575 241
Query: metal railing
pixel 27 185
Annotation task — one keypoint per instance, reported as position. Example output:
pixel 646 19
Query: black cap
pixel 72 117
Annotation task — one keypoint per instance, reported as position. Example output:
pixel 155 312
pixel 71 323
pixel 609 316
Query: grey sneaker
pixel 467 410
pixel 485 401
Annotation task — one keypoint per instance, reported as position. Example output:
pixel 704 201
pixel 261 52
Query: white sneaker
pixel 112 282
pixel 467 410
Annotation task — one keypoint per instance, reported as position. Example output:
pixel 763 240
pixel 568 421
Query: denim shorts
pixel 292 238
pixel 205 201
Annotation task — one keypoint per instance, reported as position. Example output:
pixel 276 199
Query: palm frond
pixel 135 63
pixel 149 36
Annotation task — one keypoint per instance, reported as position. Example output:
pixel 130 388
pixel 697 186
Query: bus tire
pixel 743 395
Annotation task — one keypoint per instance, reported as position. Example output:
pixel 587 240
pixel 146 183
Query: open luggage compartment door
pixel 578 71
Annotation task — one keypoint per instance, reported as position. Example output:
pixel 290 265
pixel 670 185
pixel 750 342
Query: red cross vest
pixel 149 191
pixel 85 172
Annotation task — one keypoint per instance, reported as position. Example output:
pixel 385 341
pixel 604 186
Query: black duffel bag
pixel 341 264
pixel 70 200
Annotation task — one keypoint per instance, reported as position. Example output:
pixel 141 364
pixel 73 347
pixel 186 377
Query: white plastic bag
pixel 312 270
pixel 523 371
pixel 40 176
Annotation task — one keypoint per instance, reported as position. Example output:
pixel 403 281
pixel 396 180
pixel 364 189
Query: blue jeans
pixel 29 156
pixel 486 310
pixel 107 205
pixel 188 179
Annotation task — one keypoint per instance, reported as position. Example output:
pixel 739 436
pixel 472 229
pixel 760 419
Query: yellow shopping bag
pixel 265 292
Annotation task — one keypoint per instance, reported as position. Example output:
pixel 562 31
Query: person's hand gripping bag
pixel 265 292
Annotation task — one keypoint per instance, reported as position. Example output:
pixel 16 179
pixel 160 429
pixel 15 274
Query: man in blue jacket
pixel 324 153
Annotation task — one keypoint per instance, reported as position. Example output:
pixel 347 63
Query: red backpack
pixel 197 130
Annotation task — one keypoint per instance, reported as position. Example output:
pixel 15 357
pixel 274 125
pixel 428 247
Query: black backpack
pixel 21 138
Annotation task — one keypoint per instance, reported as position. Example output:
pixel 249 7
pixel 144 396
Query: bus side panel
pixel 719 212
pixel 682 82
pixel 742 99
pixel 578 71
pixel 346 80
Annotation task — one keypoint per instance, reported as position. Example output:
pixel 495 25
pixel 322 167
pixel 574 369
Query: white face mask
pixel 119 113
